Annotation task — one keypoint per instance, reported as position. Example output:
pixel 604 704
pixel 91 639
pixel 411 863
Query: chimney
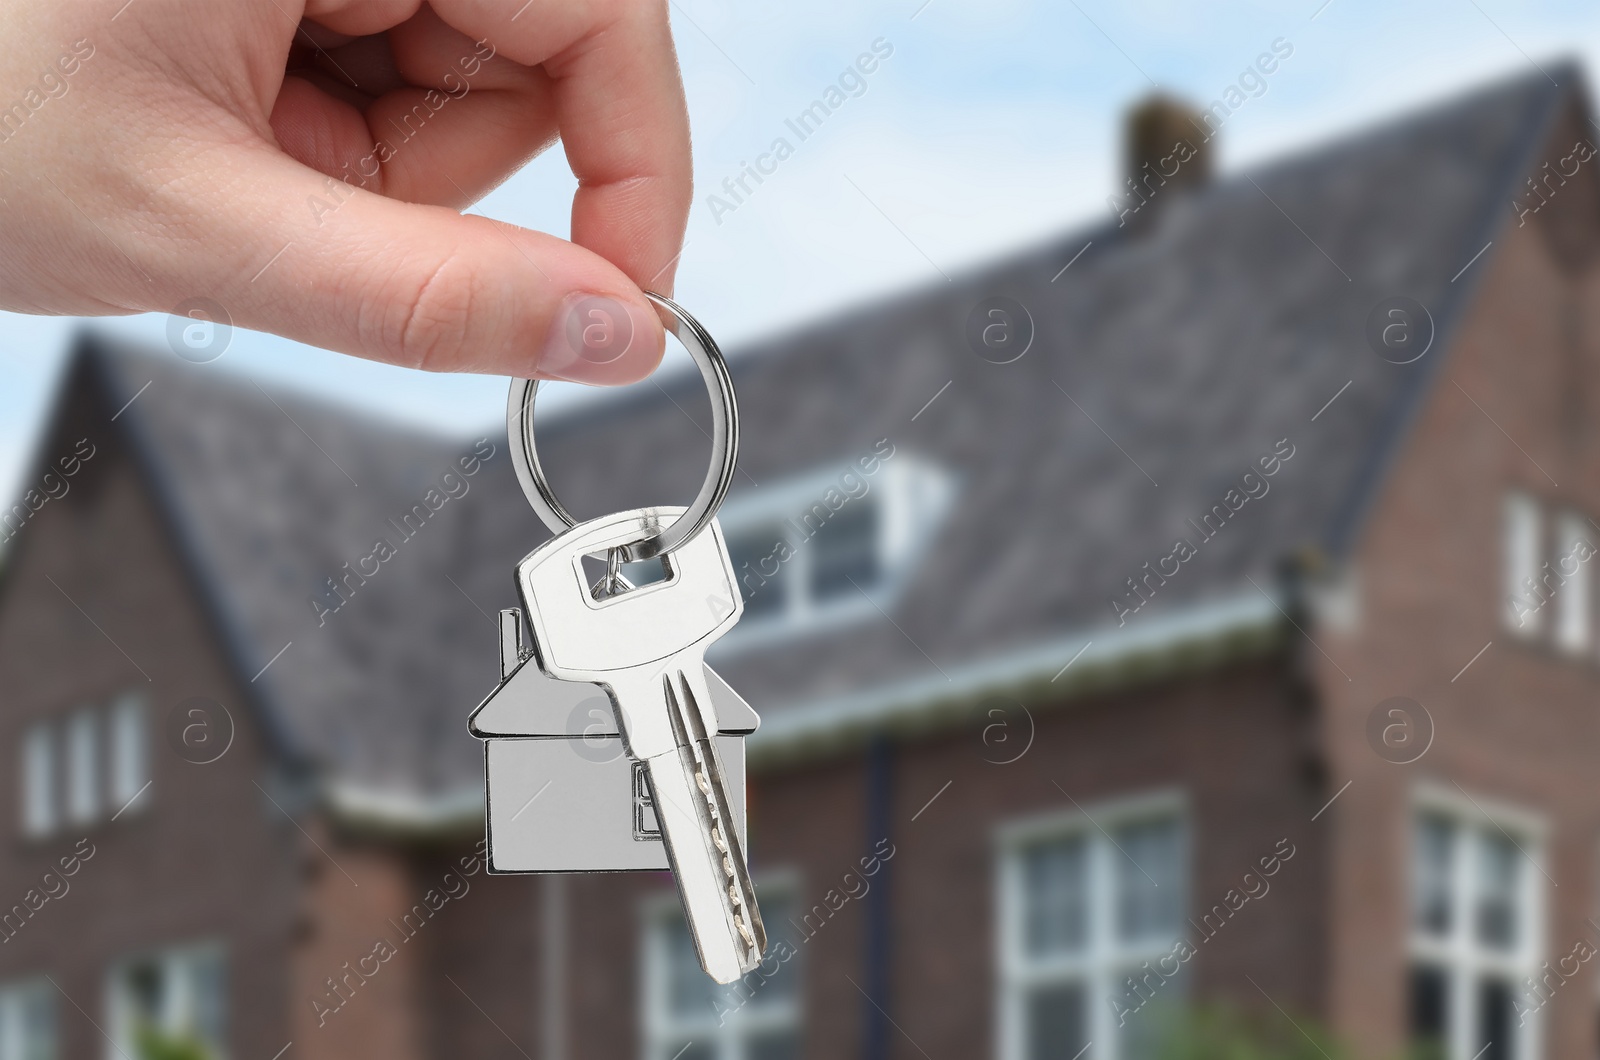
pixel 1165 152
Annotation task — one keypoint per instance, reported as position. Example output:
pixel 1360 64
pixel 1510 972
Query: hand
pixel 302 164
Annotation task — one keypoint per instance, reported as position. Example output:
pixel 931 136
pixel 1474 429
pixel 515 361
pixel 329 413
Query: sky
pixel 988 125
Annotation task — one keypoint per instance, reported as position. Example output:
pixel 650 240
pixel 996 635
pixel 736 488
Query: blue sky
pixel 991 125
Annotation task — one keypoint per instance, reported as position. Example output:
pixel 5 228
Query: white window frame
pixel 128 753
pixel 1574 600
pixel 179 1013
pixel 1522 528
pixel 664 1031
pixel 1463 959
pixel 40 782
pixel 912 496
pixel 15 998
pixel 1106 959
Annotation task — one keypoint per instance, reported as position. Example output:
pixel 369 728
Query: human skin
pixel 159 151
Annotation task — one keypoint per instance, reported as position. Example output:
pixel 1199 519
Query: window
pixel 28 1021
pixel 814 560
pixel 1573 597
pixel 1085 915
pixel 844 553
pixel 83 766
pixel 1523 533
pixel 178 996
pixel 130 752
pixel 1474 935
pixel 38 780
pixel 834 546
pixel 91 765
pixel 688 1017
pixel 758 565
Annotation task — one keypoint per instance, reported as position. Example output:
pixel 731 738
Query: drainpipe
pixel 553 972
pixel 875 1040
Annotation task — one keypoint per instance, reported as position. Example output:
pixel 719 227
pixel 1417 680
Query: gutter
pixel 1160 647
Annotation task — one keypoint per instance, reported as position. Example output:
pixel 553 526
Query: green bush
pixel 155 1045
pixel 1221 1033
pixel 1217 1033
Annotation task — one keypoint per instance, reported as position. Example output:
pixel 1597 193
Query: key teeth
pixel 694 743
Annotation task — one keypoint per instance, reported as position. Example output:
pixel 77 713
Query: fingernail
pixel 597 339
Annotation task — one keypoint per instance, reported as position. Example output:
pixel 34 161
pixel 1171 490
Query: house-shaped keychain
pixel 563 794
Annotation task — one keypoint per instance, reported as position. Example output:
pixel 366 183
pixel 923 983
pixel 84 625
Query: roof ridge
pixel 1348 517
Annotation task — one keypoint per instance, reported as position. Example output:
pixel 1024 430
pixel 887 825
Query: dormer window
pixel 845 553
pixel 831 546
pixel 762 578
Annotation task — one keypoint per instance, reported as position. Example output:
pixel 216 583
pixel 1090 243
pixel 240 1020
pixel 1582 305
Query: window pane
pixel 37 1013
pixel 1430 1005
pixel 208 986
pixel 688 990
pixel 845 550
pixel 784 1045
pixel 1055 881
pixel 1430 875
pixel 129 750
pixel 1499 873
pixel 759 565
pixel 83 766
pixel 1522 544
pixel 1057 1022
pixel 39 780
pixel 1496 1021
pixel 1149 902
pixel 687 1051
pixel 1147 1027
pixel 144 988
pixel 644 572
pixel 775 980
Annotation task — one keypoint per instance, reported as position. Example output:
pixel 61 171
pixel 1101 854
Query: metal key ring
pixel 724 441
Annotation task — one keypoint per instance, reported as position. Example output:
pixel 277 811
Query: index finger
pixel 621 110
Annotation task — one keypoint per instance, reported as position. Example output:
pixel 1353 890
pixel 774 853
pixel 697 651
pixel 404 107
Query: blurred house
pixel 1200 622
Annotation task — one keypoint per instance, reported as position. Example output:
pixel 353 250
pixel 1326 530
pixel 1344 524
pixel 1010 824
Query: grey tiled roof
pixel 1164 364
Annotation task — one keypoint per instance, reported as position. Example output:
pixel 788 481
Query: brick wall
pixel 1520 724
pixel 204 857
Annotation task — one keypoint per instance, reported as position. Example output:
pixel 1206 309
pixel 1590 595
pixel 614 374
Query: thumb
pixel 319 260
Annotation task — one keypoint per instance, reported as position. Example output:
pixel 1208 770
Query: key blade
pixel 697 824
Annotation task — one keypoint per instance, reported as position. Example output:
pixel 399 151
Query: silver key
pixel 647 647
